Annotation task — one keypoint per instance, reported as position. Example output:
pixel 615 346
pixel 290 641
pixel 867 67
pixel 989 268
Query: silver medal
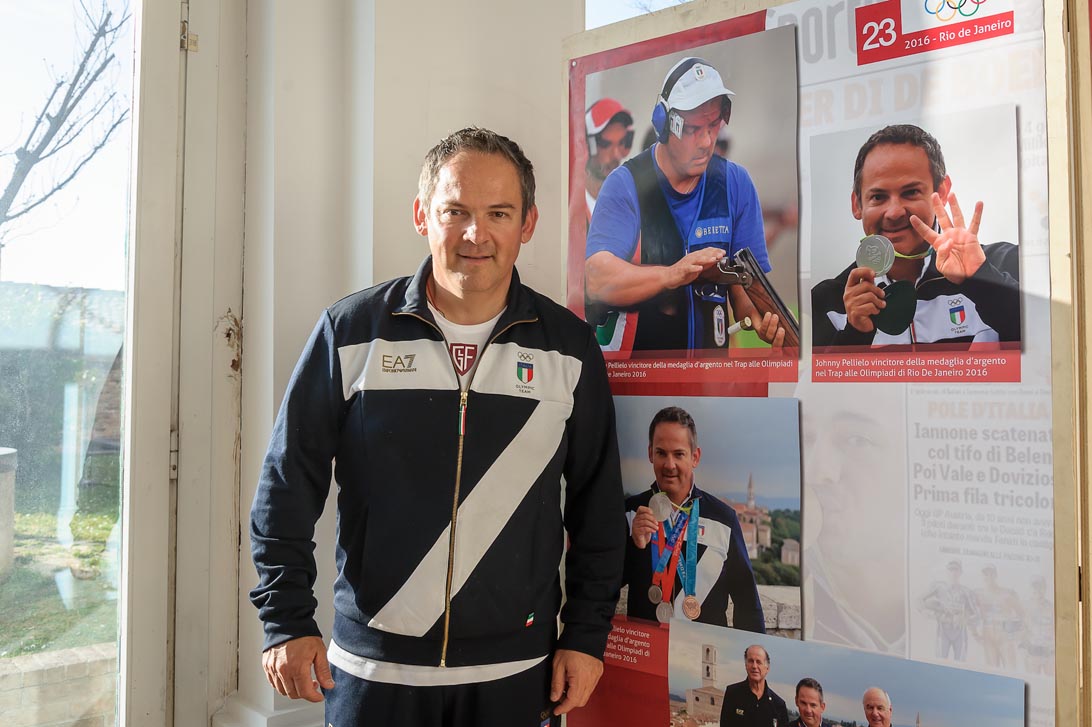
pixel 663 612
pixel 660 504
pixel 876 253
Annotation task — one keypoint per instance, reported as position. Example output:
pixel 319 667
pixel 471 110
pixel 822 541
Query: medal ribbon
pixel 657 538
pixel 664 570
pixel 690 569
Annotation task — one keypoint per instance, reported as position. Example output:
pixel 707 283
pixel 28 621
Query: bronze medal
pixel 691 608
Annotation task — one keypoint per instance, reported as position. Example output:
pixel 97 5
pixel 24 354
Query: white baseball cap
pixel 698 83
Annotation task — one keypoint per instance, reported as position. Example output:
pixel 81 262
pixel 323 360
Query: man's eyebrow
pixel 502 206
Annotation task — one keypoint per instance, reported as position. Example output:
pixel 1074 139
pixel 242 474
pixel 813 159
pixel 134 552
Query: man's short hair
pixel 483 141
pixel 674 415
pixel 757 646
pixel 886 696
pixel 902 134
pixel 809 683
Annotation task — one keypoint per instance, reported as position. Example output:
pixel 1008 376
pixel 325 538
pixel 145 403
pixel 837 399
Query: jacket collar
pixel 520 306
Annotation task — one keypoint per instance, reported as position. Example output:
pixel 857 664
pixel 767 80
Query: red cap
pixel 602 112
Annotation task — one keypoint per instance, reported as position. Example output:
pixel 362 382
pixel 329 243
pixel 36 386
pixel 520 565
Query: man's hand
pixel 644 525
pixel 575 676
pixel 688 269
pixel 863 299
pixel 959 253
pixel 770 332
pixel 288 668
pixel 768 328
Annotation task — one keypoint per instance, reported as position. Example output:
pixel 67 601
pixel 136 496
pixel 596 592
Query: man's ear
pixel 855 204
pixel 697 457
pixel 529 222
pixel 650 454
pixel 420 217
pixel 944 188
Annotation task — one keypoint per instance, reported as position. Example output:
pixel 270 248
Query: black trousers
pixel 521 700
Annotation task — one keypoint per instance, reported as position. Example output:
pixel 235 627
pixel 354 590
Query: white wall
pixel 442 66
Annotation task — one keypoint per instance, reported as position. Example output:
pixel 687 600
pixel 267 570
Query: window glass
pixel 604 12
pixel 64 170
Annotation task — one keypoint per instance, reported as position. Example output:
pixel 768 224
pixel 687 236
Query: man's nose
pixel 822 461
pixel 894 211
pixel 476 232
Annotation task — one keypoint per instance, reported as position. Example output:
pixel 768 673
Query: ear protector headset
pixel 665 119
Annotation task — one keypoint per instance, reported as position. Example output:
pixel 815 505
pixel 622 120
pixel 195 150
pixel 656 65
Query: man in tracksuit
pixel 473 429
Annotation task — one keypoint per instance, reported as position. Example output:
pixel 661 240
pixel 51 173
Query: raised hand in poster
pixel 958 251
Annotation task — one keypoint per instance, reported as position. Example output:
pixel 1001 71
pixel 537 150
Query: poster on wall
pixel 891 303
pixel 683 207
pixel 923 384
pixel 726 551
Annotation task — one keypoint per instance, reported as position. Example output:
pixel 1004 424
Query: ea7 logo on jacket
pixel 395 364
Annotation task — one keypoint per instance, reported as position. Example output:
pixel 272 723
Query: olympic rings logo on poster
pixel 946 10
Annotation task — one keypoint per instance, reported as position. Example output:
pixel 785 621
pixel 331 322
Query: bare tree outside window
pixel 79 115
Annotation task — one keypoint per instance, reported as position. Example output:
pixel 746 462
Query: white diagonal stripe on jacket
pixel 417 605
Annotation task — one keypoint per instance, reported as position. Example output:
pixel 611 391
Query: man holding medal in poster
pixel 921 275
pixel 686 552
pixel 665 217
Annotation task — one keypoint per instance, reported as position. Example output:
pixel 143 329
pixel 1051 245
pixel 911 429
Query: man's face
pixel 473 223
pixel 757 666
pixel 610 150
pixel 673 460
pixel 810 705
pixel 876 709
pixel 954 574
pixel 689 154
pixel 896 183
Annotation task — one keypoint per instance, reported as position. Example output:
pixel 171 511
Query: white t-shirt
pixel 465 343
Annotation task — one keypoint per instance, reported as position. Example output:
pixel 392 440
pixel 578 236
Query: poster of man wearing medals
pixel 714 517
pixel 683 197
pixel 714 529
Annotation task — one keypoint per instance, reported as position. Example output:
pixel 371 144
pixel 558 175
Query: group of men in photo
pixel 752 703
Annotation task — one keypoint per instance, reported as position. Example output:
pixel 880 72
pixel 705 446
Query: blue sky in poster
pixel 738 437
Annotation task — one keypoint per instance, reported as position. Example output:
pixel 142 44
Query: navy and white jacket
pixel 984 307
pixel 527 453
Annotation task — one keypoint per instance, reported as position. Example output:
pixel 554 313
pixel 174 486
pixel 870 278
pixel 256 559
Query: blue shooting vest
pixel 683 318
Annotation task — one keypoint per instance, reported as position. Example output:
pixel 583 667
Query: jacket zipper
pixel 463 396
